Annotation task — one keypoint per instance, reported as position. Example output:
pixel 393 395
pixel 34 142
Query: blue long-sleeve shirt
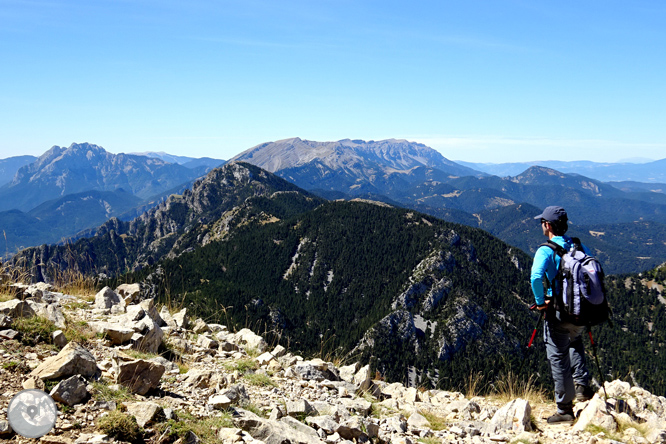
pixel 546 263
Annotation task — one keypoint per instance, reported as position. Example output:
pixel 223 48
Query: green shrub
pixel 243 366
pixel 79 331
pixel 102 392
pixel 120 426
pixel 204 428
pixel 35 329
pixel 436 422
pixel 259 379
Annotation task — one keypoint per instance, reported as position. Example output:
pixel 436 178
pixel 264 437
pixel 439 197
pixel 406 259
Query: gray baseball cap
pixel 553 214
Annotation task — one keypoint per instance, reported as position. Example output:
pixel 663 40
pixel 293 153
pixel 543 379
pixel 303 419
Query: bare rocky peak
pixel 390 153
pixel 84 167
pixel 81 157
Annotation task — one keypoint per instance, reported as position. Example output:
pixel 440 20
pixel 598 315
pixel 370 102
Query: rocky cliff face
pixel 10 165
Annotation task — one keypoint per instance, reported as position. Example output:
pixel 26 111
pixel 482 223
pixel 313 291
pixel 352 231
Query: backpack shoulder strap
pixel 558 249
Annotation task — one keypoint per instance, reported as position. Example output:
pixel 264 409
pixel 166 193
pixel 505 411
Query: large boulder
pixel 117 333
pixel 71 391
pixel 16 309
pixel 129 292
pixel 167 317
pixel 348 372
pixel 107 299
pixel 219 402
pixel 352 429
pixel 325 423
pixel 595 413
pixel 201 378
pixel 148 335
pixel 237 395
pixel 138 375
pixel 274 432
pixel 250 339
pixel 513 416
pixel 180 319
pixel 145 412
pixel 417 420
pixel 299 407
pixel 52 312
pixel 148 306
pixel 73 359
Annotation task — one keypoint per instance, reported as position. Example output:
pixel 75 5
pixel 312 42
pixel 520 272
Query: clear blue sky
pixel 483 81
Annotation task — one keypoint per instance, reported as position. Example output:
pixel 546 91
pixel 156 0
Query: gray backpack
pixel 580 294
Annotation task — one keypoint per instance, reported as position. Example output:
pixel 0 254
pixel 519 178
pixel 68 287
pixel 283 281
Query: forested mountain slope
pixel 425 301
pixel 635 348
pixel 338 276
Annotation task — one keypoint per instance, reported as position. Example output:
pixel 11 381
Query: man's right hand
pixel 544 306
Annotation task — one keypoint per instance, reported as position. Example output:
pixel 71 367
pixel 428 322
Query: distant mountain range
pixel 56 220
pixel 188 162
pixel 648 172
pixel 67 190
pixel 619 220
pixel 85 167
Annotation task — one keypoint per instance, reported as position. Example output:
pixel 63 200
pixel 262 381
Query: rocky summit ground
pixel 121 370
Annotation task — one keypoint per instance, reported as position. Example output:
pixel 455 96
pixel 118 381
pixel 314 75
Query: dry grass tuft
pixel 509 387
pixel 436 422
pixel 75 283
pixel 474 385
pixel 204 428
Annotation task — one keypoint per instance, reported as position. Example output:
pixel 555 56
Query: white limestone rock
pixel 73 359
pixel 107 298
pixel 514 416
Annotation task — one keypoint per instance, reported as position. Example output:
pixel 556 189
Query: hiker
pixel 564 342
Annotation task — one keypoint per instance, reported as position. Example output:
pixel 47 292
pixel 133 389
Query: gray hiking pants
pixel 566 355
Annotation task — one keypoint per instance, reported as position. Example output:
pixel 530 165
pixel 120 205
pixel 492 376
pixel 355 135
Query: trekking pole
pixel 596 358
pixel 529 344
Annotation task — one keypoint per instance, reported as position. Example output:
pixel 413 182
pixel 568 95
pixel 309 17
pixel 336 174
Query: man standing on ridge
pixel 564 342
